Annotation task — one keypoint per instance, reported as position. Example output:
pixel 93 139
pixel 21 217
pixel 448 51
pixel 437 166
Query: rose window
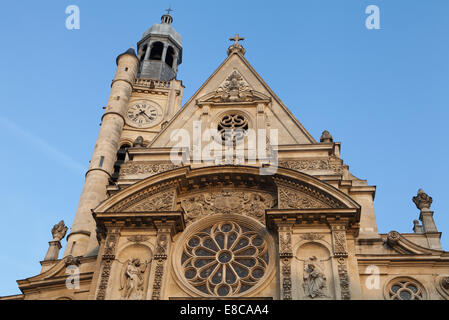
pixel 233 127
pixel 405 289
pixel 224 260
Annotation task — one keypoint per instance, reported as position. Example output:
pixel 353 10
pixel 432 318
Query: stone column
pixel 165 231
pixel 175 62
pixel 53 250
pixel 164 52
pixel 82 239
pixel 147 53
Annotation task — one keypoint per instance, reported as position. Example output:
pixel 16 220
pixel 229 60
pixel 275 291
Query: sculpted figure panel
pixel 249 203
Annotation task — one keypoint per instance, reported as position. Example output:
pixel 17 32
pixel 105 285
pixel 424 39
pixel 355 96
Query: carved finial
pixel 417 227
pixel 422 200
pixel 236 46
pixel 59 230
pixel 139 142
pixel 326 137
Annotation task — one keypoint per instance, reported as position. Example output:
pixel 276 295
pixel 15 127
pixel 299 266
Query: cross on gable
pixel 236 38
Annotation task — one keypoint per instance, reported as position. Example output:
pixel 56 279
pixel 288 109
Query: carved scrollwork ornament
pixel 393 237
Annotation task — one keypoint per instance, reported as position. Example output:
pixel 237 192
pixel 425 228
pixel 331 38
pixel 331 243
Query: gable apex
pixel 235 82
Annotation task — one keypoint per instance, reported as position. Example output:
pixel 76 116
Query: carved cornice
pixel 349 217
pixel 143 219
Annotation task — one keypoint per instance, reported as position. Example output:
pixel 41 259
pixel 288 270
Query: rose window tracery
pixel 232 127
pixel 405 289
pixel 224 260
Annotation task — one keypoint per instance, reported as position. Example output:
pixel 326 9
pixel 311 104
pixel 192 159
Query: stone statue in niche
pixel 132 279
pixel 314 279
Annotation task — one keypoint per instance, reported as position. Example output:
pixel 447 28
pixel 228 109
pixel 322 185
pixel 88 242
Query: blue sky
pixel 383 94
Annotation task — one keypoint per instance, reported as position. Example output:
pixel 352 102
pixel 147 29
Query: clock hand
pixel 144 113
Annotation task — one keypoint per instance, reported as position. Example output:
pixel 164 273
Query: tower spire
pixel 167 18
pixel 160 50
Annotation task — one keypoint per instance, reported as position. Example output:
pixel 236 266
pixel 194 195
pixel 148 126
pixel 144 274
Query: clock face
pixel 144 114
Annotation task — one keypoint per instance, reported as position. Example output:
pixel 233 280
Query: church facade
pixel 228 197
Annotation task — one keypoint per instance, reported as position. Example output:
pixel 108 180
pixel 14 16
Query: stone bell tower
pixel 160 51
pixel 145 94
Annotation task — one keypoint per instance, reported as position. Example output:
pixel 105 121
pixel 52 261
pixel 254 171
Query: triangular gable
pixel 290 129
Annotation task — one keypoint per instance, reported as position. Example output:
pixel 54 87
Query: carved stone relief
pixel 292 199
pixel 157 282
pixel 285 257
pixel 148 168
pixel 153 199
pixel 159 202
pixel 138 238
pixel 162 249
pixel 340 244
pixel 341 252
pixel 311 236
pixel 249 203
pixel 293 195
pixel 344 279
pixel 331 164
pixel 233 89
